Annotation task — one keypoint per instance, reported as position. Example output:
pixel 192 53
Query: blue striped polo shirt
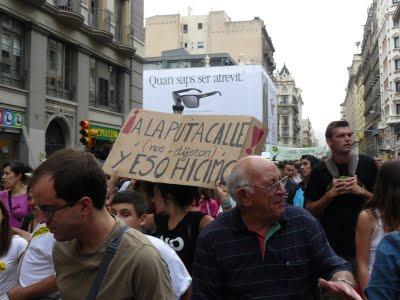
pixel 228 262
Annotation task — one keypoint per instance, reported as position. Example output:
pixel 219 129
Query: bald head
pixel 246 171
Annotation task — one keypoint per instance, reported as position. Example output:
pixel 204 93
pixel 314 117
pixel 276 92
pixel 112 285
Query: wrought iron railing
pixel 124 35
pixel 100 19
pixel 68 5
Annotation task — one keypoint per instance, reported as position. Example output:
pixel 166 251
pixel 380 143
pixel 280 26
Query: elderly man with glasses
pixel 264 249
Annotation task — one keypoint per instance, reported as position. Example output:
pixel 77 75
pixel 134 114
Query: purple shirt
pixel 20 207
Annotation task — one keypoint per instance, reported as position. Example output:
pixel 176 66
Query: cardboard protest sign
pixel 183 149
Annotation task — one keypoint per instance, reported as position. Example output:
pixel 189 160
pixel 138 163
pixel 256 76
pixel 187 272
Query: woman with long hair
pixel 174 223
pixel 15 196
pixel 11 248
pixel 380 216
pixel 307 163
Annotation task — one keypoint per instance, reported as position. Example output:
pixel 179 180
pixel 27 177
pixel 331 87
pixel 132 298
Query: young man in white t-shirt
pixel 9 265
pixel 36 278
pixel 11 249
pixel 131 208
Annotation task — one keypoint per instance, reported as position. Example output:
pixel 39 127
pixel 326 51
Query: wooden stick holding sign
pixel 183 149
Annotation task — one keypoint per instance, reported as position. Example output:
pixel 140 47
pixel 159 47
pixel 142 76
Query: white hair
pixel 238 178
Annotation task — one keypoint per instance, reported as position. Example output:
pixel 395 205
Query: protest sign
pixel 183 149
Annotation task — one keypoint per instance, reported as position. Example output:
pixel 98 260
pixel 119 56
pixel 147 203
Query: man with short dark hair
pixel 288 171
pixel 262 249
pixel 70 189
pixel 338 188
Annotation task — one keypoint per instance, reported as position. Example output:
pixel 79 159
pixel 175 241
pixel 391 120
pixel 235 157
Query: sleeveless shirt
pixel 183 237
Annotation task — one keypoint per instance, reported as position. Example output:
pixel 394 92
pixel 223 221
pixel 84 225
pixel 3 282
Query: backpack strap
pixel 353 163
pixel 351 166
pixel 332 168
pixel 108 256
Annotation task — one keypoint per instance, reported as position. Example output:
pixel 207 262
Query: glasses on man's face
pixel 49 211
pixel 191 101
pixel 273 188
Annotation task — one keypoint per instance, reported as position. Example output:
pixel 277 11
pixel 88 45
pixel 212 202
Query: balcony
pixel 393 119
pixel 100 25
pixel 36 2
pixel 124 39
pixel 69 12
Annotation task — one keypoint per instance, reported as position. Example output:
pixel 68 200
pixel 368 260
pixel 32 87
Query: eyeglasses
pixel 49 211
pixel 192 100
pixel 273 188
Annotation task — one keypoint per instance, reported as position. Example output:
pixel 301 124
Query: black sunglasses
pixel 191 101
pixel 177 97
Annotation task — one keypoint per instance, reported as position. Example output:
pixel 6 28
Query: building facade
pixel 181 58
pixel 309 139
pixel 353 110
pixel 63 61
pixel 245 41
pixel 389 65
pixel 290 106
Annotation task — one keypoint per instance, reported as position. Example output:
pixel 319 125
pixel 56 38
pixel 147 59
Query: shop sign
pixel 105 133
pixel 11 119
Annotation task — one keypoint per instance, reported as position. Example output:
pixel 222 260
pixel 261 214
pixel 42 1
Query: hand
pixel 114 177
pixel 339 187
pixel 221 192
pixel 339 288
pixel 353 187
pixel 17 293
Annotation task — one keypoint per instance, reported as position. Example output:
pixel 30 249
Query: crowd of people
pixel 312 229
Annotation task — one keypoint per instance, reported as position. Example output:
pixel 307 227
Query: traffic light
pixel 87 134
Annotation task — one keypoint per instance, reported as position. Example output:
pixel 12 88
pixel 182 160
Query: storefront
pixel 11 137
pixel 104 141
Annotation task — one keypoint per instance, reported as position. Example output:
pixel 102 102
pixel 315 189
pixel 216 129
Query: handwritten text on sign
pixel 191 150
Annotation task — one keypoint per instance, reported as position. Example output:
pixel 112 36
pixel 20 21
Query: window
pixel 59 70
pixel 185 28
pixel 200 45
pixel 396 42
pixel 398 109
pixel 104 88
pixel 397 64
pixel 199 25
pixel 92 82
pixel 185 45
pixel 285 120
pixel 397 85
pixel 11 48
pixel 284 99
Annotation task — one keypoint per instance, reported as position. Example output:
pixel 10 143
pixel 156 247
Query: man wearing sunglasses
pixel 262 249
pixel 70 189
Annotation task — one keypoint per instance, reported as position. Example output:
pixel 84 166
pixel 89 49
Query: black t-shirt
pixel 183 237
pixel 339 219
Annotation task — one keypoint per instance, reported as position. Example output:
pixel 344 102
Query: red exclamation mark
pixel 128 126
pixel 257 135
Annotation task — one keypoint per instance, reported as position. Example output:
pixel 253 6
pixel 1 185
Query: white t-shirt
pixel 180 278
pixel 9 265
pixel 37 263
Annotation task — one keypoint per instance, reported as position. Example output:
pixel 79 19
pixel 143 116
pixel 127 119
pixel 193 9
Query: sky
pixel 316 39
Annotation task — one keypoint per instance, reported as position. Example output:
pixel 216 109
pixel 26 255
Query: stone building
pixel 63 61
